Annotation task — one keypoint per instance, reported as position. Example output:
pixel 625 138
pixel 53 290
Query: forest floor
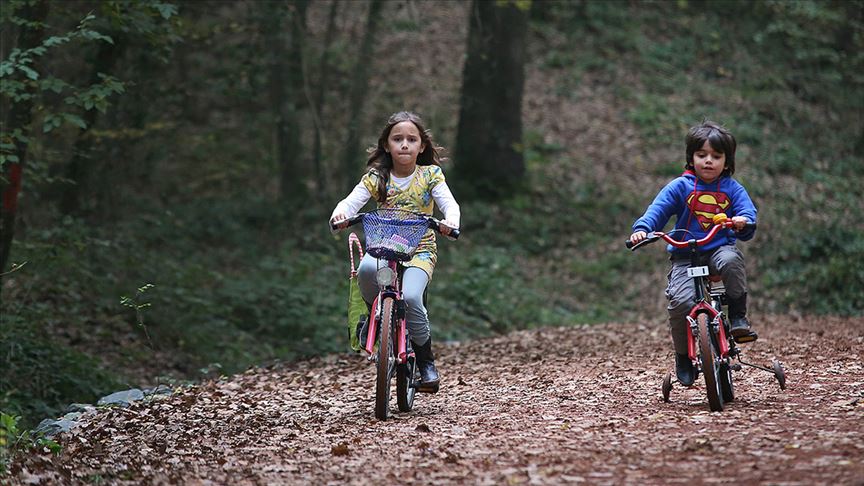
pixel 545 406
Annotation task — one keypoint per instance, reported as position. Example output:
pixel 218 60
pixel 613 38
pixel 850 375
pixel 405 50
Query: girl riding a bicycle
pixel 404 172
pixel 704 189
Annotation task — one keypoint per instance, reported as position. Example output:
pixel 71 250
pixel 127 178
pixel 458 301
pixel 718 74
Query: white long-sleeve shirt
pixel 440 194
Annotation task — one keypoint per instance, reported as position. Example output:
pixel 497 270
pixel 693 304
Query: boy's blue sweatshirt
pixel 695 202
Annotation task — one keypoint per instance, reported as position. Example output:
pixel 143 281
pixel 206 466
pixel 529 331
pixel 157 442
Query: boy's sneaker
pixel 741 331
pixel 684 369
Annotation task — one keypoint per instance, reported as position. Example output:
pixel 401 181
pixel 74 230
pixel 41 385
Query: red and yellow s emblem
pixel 704 205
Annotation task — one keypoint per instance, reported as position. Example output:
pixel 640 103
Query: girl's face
pixel 708 163
pixel 404 145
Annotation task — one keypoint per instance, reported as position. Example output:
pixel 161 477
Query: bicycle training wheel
pixel 710 364
pixel 666 388
pixel 779 373
pixel 386 361
pixel 404 380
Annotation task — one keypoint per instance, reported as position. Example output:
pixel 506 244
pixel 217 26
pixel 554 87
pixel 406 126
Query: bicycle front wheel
pixel 386 361
pixel 710 364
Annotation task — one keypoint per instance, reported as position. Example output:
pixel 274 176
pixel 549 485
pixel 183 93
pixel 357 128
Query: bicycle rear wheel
pixel 710 364
pixel 726 386
pixel 386 361
pixel 404 380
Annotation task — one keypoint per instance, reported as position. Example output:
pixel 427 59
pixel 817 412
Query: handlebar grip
pixel 749 226
pixel 436 225
pixel 649 238
pixel 350 222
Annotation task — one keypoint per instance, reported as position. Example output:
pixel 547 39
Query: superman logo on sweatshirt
pixel 706 204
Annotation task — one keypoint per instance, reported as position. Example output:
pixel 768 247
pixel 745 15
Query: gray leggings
pixel 414 282
pixel 728 262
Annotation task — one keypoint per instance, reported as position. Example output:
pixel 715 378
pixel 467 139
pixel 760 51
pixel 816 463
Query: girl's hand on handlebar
pixel 637 237
pixel 738 222
pixel 446 227
pixel 338 221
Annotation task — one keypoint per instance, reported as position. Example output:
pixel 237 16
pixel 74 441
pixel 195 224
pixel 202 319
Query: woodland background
pixel 178 162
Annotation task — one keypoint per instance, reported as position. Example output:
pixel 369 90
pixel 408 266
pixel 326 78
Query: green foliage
pixel 21 80
pixel 824 261
pixel 17 75
pixel 9 437
pixel 42 375
pixel 13 441
pixel 483 292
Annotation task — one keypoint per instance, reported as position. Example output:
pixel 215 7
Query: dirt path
pixel 549 406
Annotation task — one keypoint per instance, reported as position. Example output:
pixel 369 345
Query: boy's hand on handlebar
pixel 637 237
pixel 738 222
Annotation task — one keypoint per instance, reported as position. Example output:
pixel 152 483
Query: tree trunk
pixel 19 118
pixel 286 93
pixel 488 157
pixel 318 105
pixel 80 168
pixel 359 87
pixel 293 170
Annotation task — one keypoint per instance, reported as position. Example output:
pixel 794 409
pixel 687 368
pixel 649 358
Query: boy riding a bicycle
pixel 704 189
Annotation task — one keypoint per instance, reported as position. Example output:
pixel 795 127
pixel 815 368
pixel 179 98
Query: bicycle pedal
pixel 421 388
pixel 747 338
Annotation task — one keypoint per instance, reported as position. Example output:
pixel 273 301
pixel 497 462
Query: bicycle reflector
pixel 385 276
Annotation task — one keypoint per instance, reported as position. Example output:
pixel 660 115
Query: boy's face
pixel 708 163
pixel 404 145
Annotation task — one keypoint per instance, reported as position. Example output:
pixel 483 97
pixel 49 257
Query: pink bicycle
pixel 392 236
pixel 710 345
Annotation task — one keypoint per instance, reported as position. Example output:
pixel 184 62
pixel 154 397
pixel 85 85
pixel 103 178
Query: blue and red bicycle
pixel 392 236
pixel 710 345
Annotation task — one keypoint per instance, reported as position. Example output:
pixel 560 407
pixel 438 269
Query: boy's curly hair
pixel 718 137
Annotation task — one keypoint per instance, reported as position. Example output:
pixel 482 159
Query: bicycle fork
pixel 715 328
pixel 399 331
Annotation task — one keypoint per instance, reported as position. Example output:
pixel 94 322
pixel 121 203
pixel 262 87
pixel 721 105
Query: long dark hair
pixel 381 162
pixel 718 137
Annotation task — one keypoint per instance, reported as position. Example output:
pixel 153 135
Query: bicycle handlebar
pixel 347 223
pixel 433 223
pixel 657 235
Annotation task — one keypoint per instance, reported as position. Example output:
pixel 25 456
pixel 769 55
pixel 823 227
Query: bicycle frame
pixel 393 356
pixel 704 306
pixel 395 291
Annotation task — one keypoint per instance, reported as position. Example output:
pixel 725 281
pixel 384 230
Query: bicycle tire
pixel 405 392
pixel 709 364
pixel 385 361
pixel 726 386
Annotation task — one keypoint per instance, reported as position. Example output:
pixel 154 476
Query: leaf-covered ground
pixel 548 406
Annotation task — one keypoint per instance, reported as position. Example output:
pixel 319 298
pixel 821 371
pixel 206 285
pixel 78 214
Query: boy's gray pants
pixel 728 262
pixel 414 282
